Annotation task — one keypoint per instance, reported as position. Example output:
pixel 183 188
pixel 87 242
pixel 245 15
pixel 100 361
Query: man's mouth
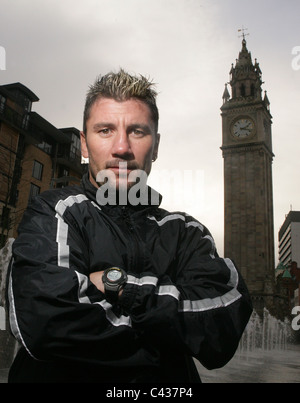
pixel 120 171
pixel 121 167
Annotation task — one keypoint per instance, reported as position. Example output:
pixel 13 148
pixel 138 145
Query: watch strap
pixel 111 288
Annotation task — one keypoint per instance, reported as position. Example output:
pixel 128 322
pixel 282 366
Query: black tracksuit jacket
pixel 181 299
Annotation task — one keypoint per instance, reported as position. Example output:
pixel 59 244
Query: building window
pixel 37 170
pixel 75 151
pixel 25 121
pixel 5 218
pixel 63 171
pixel 45 147
pixel 63 177
pixel 34 190
pixel 2 103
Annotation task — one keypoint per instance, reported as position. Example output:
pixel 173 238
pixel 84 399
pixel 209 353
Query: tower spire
pixel 243 33
pixel 245 76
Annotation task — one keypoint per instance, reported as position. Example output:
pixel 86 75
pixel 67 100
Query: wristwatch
pixel 114 280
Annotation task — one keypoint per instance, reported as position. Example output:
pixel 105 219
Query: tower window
pixel 243 90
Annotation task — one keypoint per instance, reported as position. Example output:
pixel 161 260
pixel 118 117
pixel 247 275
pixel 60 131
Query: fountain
pixel 266 354
pixel 266 333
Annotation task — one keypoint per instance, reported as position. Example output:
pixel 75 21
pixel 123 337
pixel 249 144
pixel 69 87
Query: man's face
pixel 119 132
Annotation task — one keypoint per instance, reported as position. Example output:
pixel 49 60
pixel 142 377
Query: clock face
pixel 114 275
pixel 243 128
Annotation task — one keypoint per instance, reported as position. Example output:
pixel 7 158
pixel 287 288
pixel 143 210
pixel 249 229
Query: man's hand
pixel 96 279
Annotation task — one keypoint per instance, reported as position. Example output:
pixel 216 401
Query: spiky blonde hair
pixel 122 86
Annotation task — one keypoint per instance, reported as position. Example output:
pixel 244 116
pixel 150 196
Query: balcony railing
pixel 19 121
pixel 26 126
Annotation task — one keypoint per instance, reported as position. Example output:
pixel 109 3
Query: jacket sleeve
pixel 55 312
pixel 201 308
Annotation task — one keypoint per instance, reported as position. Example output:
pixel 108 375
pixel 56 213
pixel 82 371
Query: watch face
pixel 114 275
pixel 243 128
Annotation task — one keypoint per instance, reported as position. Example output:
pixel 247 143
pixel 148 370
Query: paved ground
pixel 256 367
pixel 3 375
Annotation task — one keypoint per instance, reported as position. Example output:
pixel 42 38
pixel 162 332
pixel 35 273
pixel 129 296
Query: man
pixel 125 291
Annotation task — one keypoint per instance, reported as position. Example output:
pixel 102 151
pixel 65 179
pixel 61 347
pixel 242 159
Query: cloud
pixel 57 48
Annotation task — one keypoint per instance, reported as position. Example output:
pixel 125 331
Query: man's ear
pixel 84 149
pixel 156 145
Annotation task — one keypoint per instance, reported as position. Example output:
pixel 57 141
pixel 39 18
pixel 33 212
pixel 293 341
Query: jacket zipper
pixel 135 255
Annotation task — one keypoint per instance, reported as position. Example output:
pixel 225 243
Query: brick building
pixel 34 155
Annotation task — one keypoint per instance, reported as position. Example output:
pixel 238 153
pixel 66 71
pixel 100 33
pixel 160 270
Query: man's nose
pixel 121 145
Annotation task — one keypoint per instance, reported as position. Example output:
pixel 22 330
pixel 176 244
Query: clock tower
pixel 247 154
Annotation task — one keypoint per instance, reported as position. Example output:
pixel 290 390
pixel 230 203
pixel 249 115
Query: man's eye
pixel 104 132
pixel 138 132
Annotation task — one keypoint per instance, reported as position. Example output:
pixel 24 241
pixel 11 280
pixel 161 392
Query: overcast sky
pixel 57 48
